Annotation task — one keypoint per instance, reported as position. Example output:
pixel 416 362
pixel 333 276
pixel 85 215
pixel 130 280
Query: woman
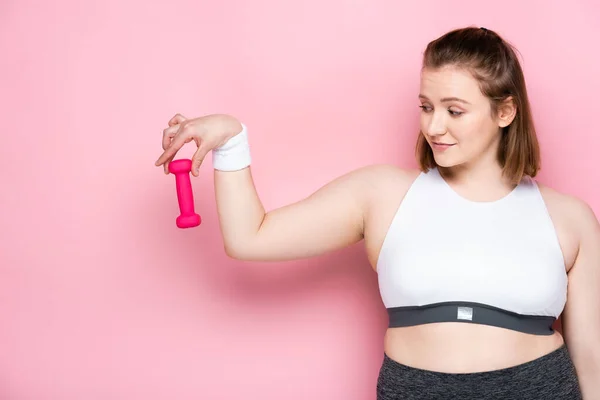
pixel 473 255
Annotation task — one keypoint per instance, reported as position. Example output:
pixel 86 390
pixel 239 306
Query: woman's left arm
pixel 581 317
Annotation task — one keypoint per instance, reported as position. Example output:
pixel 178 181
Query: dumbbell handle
pixel 185 197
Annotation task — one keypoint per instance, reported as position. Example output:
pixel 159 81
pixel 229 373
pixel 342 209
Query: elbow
pixel 588 363
pixel 232 252
pixel 236 252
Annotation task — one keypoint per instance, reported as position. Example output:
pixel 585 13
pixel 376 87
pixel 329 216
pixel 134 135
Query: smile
pixel 441 146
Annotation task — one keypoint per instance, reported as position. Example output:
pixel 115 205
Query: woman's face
pixel 456 118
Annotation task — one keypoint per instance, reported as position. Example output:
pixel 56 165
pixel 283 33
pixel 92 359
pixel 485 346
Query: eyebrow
pixel 446 99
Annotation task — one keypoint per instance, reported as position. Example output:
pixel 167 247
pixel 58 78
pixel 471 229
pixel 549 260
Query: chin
pixel 446 162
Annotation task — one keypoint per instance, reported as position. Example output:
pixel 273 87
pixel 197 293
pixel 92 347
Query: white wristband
pixel 234 154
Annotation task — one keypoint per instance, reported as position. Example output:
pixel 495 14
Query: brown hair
pixel 493 63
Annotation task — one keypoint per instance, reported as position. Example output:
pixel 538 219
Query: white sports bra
pixel 446 258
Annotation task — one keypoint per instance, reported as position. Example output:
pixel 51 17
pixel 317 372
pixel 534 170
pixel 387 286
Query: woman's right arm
pixel 329 219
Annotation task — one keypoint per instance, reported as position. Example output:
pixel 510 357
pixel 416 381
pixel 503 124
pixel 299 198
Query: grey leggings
pixel 550 377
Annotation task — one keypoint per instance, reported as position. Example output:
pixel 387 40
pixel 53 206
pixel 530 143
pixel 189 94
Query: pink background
pixel 102 297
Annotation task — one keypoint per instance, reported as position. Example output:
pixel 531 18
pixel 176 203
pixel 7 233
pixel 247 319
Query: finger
pixel 166 164
pixel 177 119
pixel 198 158
pixel 168 135
pixel 177 143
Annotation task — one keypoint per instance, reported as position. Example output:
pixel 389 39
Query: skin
pixel 360 205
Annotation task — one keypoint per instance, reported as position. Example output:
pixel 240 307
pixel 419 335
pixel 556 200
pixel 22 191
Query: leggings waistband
pixel 551 376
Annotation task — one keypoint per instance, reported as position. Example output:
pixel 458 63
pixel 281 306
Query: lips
pixel 441 146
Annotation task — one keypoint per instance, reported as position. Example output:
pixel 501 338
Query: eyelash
pixel 453 113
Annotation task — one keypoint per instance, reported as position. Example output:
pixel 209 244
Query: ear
pixel 507 110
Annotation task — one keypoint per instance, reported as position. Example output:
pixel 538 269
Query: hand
pixel 209 132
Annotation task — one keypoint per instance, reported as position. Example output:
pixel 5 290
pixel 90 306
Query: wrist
pixel 230 125
pixel 234 154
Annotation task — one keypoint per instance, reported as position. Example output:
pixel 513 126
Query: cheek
pixel 423 122
pixel 471 130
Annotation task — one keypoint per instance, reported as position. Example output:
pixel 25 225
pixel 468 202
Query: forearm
pixel 239 208
pixel 589 382
pixel 588 374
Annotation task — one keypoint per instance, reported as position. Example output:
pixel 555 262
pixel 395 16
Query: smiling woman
pixel 473 256
pixel 465 124
pixel 482 89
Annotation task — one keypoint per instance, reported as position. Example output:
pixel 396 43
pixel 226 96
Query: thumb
pixel 198 158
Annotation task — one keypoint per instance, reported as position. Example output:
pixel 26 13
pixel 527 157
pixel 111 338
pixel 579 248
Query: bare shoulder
pixel 573 218
pixel 382 176
pixel 387 170
pixel 578 210
pixel 386 187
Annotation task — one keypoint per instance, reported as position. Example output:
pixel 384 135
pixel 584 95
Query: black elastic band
pixel 470 312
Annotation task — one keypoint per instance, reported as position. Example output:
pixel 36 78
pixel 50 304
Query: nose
pixel 437 125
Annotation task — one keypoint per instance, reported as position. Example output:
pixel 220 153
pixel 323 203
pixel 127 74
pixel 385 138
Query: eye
pixel 425 108
pixel 455 113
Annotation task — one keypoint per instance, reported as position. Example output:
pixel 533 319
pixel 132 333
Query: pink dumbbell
pixel 188 217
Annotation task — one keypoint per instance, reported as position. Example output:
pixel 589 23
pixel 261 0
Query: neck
pixel 468 175
pixel 479 179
